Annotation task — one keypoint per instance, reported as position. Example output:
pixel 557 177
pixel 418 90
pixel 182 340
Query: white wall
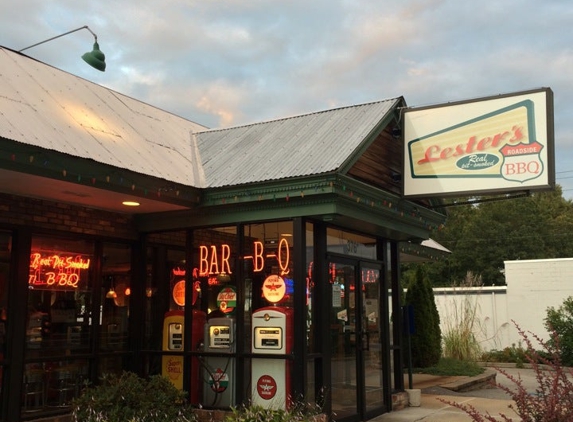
pixel 491 312
pixel 535 285
pixel 532 287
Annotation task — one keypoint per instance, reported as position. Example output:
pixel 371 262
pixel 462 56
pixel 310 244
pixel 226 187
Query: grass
pixel 462 325
pixel 453 367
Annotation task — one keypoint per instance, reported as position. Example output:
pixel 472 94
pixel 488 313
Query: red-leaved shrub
pixel 552 400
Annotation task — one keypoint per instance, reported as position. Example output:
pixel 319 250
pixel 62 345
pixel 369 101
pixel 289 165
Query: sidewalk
pixel 436 388
pixel 433 410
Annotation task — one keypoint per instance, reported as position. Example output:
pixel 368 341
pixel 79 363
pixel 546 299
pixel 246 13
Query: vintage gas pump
pixel 272 334
pixel 219 370
pixel 172 366
pixel 174 331
pixel 173 335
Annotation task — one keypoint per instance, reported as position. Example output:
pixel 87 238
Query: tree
pixel 426 342
pixel 482 233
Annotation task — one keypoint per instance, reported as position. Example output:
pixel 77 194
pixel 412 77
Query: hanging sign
pixel 488 145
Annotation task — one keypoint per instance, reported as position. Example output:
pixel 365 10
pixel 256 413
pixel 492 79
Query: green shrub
pixel 462 325
pixel 426 342
pixel 560 321
pixel 454 367
pixel 129 398
pixel 514 354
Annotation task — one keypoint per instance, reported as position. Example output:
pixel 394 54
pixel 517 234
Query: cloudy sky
pixel 228 62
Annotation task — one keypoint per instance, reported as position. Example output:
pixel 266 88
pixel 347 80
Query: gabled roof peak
pixel 298 116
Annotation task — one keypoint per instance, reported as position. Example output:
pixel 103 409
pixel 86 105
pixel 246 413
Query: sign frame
pixel 489 145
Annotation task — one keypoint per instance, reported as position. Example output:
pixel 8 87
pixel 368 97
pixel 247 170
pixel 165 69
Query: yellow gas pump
pixel 171 365
pixel 173 335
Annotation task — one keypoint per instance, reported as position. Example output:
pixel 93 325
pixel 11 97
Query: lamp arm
pixel 61 35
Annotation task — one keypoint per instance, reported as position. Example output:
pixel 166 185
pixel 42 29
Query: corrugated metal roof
pixel 46 107
pixel 304 145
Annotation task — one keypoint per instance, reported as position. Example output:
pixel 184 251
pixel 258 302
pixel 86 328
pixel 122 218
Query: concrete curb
pixel 503 365
pixel 464 384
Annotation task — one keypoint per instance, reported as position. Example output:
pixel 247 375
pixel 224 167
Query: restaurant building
pixel 261 264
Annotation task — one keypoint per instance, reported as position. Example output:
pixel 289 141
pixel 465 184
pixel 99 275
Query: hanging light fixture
pixel 94 58
pixel 111 294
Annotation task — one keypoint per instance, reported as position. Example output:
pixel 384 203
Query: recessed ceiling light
pixel 130 203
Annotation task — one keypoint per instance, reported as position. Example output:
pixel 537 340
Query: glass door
pixel 343 331
pixel 371 343
pixel 356 370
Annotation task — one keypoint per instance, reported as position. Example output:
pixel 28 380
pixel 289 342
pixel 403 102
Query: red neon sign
pixel 55 270
pixel 213 262
pixel 282 256
pixel 215 259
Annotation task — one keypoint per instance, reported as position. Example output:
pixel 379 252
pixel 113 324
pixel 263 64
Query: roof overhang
pixel 427 250
pixel 36 173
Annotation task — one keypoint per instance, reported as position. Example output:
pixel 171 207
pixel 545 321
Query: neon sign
pixel 214 260
pixel 366 275
pixel 55 270
pixel 282 256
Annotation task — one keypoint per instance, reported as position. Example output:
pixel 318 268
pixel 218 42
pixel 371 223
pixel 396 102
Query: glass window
pixel 269 271
pixel 268 263
pixel 214 272
pixel 310 302
pixel 59 298
pixel 215 281
pixel 310 297
pixel 176 269
pixel 165 304
pixel 115 295
pixel 60 320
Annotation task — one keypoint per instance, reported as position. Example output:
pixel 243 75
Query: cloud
pixel 230 62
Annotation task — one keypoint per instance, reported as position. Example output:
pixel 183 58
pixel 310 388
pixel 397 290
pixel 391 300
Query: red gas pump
pixel 173 335
pixel 272 330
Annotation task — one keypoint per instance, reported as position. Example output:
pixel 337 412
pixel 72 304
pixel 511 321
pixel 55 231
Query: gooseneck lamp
pixel 94 58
